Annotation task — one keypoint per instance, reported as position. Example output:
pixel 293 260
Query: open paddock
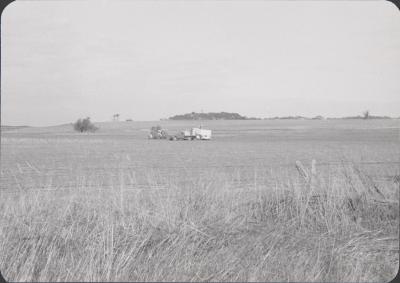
pixel 115 206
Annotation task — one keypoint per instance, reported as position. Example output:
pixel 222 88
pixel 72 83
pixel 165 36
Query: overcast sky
pixel 147 60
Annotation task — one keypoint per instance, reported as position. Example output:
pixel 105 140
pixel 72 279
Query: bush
pixel 85 125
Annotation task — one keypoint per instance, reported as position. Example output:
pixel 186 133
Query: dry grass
pixel 97 208
pixel 310 230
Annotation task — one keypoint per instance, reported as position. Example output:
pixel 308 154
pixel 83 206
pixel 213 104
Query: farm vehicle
pixel 193 134
pixel 158 133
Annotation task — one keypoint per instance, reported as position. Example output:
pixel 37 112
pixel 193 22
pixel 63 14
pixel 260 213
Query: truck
pixel 194 134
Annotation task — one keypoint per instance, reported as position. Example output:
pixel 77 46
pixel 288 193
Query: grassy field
pixel 249 205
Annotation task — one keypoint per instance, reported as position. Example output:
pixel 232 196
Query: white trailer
pixel 193 134
pixel 201 134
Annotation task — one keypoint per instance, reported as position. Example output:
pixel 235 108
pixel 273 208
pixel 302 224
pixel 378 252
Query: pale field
pixel 115 206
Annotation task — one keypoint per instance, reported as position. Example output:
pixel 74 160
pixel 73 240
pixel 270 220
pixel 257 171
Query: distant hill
pixel 293 118
pixel 323 118
pixel 211 116
pixel 10 128
pixel 361 117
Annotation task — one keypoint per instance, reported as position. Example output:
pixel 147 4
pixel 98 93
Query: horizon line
pixel 290 117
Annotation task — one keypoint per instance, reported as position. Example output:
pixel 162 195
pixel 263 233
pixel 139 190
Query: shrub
pixel 85 125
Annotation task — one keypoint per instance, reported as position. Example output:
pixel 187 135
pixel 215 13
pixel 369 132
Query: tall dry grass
pixel 312 227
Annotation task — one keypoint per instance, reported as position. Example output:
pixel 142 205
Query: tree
pixel 116 117
pixel 366 114
pixel 85 125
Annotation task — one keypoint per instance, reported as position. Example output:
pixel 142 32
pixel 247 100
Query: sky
pixel 146 60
